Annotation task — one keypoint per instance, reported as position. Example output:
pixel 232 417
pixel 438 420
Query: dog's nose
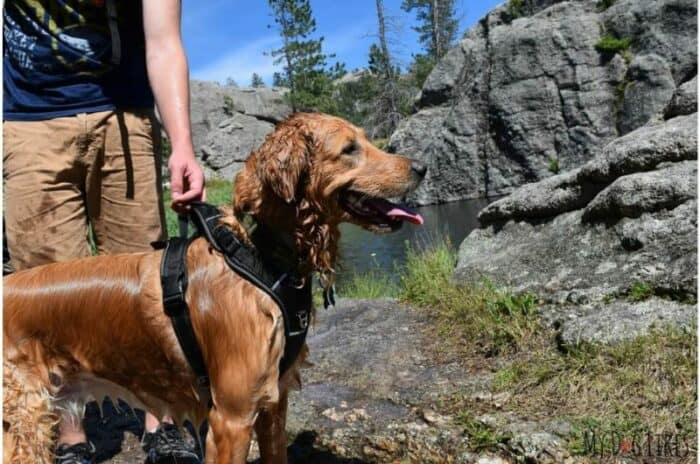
pixel 419 168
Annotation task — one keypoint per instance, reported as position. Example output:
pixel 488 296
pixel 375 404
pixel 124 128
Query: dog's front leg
pixel 270 429
pixel 229 437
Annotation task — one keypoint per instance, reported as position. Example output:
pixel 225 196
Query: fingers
pixel 177 172
pixel 191 181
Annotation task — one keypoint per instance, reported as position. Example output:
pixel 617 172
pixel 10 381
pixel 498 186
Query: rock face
pixel 229 122
pixel 584 239
pixel 520 98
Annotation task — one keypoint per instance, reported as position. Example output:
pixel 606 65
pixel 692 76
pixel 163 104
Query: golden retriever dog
pixel 95 327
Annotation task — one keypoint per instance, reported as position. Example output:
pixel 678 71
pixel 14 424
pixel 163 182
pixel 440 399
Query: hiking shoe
pixel 167 446
pixel 80 453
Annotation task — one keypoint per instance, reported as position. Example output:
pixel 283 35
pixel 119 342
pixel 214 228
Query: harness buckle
pixel 303 319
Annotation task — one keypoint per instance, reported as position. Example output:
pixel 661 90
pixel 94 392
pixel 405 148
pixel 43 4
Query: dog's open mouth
pixel 378 211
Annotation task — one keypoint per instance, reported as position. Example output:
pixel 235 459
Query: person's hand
pixel 186 180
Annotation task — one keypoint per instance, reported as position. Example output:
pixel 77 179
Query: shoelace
pixel 76 454
pixel 168 441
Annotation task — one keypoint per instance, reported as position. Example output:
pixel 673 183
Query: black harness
pixel 253 264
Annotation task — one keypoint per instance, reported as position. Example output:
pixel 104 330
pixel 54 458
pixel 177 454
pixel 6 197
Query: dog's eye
pixel 349 148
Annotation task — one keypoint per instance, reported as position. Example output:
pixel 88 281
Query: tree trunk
pixel 437 43
pixel 382 38
pixel 288 59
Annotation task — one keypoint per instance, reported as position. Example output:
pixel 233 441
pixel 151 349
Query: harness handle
pixel 183 220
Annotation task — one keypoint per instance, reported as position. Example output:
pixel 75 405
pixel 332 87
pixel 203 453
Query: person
pixel 82 145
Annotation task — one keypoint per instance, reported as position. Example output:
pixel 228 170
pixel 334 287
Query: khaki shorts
pixel 63 175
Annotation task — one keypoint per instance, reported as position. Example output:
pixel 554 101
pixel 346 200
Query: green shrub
pixel 610 44
pixel 603 5
pixel 228 105
pixel 516 8
pixel 554 165
pixel 640 291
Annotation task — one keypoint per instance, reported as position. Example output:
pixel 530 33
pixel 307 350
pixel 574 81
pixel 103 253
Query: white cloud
pixel 241 63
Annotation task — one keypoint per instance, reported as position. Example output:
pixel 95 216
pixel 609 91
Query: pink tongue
pixel 409 216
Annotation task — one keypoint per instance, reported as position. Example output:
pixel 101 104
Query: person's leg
pixel 43 173
pixel 125 200
pixel 44 208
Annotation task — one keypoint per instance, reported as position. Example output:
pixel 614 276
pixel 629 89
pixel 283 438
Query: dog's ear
pixel 283 160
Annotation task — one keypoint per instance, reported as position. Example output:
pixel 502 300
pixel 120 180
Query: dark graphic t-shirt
pixel 64 57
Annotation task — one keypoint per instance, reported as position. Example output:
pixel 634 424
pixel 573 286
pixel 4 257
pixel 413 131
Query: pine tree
pixel 256 81
pixel 379 63
pixel 438 24
pixel 278 80
pixel 304 63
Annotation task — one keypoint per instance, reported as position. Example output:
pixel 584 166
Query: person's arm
pixel 169 78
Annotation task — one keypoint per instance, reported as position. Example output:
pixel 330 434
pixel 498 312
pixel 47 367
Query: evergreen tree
pixel 278 80
pixel 379 64
pixel 256 81
pixel 438 24
pixel 304 63
pixel 420 68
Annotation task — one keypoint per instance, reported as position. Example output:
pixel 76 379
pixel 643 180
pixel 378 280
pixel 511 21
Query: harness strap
pixel 293 298
pixel 173 278
pixel 239 257
pixel 294 301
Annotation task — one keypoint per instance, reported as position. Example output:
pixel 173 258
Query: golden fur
pixel 96 326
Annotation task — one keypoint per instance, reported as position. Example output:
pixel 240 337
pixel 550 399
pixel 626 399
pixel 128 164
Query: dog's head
pixel 316 171
pixel 329 163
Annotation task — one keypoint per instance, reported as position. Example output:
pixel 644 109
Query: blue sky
pixel 227 38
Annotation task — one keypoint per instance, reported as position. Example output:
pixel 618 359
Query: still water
pixel 362 251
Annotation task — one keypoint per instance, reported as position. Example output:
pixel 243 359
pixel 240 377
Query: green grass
pixel 481 436
pixel 492 319
pixel 648 383
pixel 380 143
pixel 610 44
pixel 640 291
pixel 374 284
pixel 219 192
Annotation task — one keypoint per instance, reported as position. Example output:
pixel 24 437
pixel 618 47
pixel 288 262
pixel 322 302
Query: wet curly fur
pixel 95 327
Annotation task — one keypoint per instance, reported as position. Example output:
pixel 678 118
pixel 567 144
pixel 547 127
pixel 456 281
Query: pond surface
pixel 362 251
